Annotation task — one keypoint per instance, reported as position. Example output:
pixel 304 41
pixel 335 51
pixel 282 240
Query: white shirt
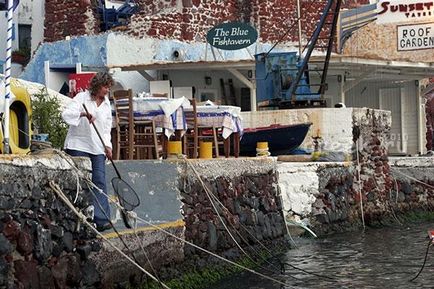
pixel 81 134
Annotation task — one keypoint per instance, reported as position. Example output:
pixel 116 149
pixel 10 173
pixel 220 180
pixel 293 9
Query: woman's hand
pixel 89 116
pixel 108 153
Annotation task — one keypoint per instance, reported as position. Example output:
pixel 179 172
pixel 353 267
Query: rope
pixel 424 261
pixel 360 185
pixel 82 217
pixel 171 235
pixel 414 179
pixel 92 186
pixel 211 196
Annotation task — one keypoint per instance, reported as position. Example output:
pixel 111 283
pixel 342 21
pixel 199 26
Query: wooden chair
pixel 196 133
pixel 136 139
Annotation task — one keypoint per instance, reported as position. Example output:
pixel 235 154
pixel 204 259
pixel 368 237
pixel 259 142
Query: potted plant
pixel 21 56
pixel 47 119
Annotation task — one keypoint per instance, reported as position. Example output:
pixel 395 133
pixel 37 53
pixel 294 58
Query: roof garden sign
pixel 232 36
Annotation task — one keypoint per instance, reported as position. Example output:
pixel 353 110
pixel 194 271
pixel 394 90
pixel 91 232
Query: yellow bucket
pixel 205 150
pixel 262 149
pixel 174 148
pixel 262 145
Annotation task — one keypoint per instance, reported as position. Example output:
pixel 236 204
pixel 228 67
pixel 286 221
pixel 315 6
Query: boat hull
pixel 282 139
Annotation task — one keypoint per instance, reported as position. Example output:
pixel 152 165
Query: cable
pixel 424 261
pixel 287 31
pixel 359 181
pixel 211 196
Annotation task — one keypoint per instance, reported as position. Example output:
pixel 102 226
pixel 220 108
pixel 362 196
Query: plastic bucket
pixel 174 148
pixel 205 150
pixel 262 149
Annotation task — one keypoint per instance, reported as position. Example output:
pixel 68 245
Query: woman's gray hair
pixel 99 80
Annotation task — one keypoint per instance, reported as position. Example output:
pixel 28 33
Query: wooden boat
pixel 282 139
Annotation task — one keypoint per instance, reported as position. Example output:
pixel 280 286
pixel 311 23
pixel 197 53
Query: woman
pixel 82 139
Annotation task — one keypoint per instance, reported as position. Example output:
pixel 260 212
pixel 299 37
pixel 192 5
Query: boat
pixel 282 139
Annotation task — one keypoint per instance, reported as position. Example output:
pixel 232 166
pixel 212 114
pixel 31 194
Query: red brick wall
pixel 189 20
pixel 68 18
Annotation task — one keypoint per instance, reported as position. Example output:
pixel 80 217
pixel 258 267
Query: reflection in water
pixel 376 258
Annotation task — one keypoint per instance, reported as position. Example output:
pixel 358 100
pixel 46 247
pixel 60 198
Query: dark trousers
pixel 100 201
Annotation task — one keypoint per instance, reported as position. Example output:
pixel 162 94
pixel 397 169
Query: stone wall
pixel 413 183
pixel 254 207
pixel 371 130
pixel 41 243
pixel 69 18
pixel 189 20
pixel 327 195
pixel 380 41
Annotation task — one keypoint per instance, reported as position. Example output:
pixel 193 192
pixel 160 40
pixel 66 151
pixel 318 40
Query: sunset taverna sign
pixel 232 36
pixel 396 11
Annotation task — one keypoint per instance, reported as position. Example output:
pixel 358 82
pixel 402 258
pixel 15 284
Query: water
pixel 376 258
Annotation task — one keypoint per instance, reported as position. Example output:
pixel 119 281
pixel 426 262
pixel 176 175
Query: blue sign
pixel 232 36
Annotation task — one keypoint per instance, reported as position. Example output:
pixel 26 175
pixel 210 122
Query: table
pixel 166 113
pixel 227 118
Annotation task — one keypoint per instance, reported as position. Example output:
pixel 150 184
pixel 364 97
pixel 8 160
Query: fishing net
pixel 128 198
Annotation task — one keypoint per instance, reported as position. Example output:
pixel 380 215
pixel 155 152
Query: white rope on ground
pixel 359 182
pixel 134 216
pixel 82 217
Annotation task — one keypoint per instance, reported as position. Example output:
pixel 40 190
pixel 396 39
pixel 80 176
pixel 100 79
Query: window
pixel 25 36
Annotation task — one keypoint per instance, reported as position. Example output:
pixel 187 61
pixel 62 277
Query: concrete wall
pixel 327 195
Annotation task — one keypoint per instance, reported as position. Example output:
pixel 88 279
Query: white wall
pixel 38 18
pixel 31 12
pixel 197 79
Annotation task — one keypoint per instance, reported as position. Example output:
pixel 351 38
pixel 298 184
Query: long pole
pixel 8 77
pixel 299 28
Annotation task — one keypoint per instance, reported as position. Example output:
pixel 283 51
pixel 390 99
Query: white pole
pixel 299 28
pixel 8 77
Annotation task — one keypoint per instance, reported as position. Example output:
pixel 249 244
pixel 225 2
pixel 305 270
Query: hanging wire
pixel 424 261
